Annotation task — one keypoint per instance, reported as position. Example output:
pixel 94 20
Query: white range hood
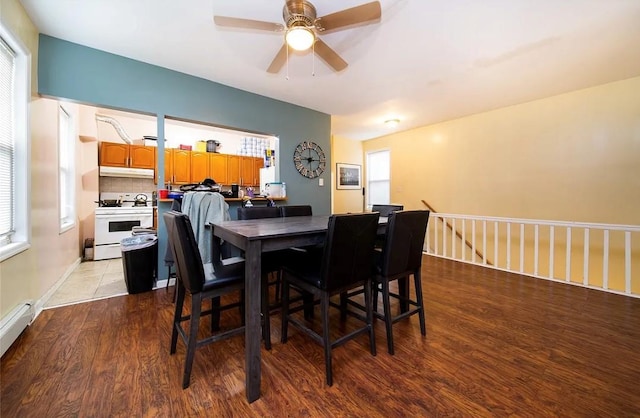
pixel 144 173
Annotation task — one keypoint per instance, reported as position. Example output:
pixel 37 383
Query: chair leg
pixel 403 291
pixel 343 306
pixel 196 306
pixel 180 291
pixel 215 314
pixel 368 305
pixel 266 319
pixel 417 276
pixel 324 301
pixel 374 288
pixel 278 281
pixel 284 311
pixel 307 300
pixel 387 315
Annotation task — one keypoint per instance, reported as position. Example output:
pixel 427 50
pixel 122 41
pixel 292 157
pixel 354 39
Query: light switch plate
pixel 321 182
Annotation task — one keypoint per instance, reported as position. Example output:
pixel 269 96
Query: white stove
pixel 113 223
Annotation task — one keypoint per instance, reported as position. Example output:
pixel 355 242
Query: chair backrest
pixel 348 250
pixel 296 210
pixel 258 212
pixel 402 251
pixel 385 210
pixel 185 251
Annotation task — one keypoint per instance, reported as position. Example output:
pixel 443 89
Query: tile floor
pixel 91 280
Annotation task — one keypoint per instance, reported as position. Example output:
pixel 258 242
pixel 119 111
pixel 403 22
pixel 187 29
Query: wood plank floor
pixel 497 344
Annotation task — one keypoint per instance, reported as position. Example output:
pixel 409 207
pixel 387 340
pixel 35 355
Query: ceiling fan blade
pixel 278 61
pixel 348 17
pixel 235 22
pixel 329 56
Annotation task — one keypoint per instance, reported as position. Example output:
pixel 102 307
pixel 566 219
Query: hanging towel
pixel 204 208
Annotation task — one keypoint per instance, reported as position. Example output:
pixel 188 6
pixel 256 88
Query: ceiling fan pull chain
pixel 287 47
pixel 313 60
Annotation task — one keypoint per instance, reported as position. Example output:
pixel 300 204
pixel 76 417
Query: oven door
pixel 112 228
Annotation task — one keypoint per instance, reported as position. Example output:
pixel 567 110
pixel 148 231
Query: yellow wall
pixel 30 274
pixel 345 151
pixel 573 157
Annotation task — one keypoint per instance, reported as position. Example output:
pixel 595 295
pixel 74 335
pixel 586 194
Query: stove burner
pixel 109 203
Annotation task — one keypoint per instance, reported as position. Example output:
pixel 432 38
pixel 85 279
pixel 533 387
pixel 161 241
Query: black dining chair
pixel 386 210
pixel 202 282
pixel 258 212
pixel 400 258
pixel 296 210
pixel 344 265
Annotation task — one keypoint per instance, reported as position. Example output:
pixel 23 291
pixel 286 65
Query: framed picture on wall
pixel 349 176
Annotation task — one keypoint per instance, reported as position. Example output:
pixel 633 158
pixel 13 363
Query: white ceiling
pixel 426 61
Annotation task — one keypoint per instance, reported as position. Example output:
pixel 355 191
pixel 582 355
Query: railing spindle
pixel 627 262
pixel 521 248
pixel 473 240
pixel 484 242
pixel 568 266
pixel 552 245
pixel 585 267
pixel 453 238
pixel 535 249
pixel 464 239
pixel 605 260
pixel 508 246
pixel 495 243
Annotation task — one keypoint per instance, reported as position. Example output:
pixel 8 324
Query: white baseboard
pixel 14 323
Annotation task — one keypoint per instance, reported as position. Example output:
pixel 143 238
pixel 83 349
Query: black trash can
pixel 139 262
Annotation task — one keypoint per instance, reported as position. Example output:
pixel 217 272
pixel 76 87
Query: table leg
pixel 403 291
pixel 252 332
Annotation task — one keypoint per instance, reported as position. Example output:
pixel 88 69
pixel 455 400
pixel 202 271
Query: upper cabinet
pixel 199 166
pixel 218 164
pixel 124 155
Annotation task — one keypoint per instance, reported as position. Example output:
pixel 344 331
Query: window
pixel 67 170
pixel 378 178
pixel 15 76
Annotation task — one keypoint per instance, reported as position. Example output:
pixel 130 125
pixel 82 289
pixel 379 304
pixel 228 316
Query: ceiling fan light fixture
pixel 300 38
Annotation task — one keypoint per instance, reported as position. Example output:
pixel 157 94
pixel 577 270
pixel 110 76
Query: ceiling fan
pixel 302 28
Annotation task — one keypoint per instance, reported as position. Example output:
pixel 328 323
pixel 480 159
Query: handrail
pixel 458 234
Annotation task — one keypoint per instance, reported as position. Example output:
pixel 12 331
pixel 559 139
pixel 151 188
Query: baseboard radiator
pixel 13 324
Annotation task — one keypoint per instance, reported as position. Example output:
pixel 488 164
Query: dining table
pixel 254 237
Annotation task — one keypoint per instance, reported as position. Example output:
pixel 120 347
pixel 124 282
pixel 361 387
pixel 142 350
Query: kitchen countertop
pixel 238 199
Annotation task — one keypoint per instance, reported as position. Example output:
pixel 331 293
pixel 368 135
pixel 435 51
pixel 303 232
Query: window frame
pixel 20 240
pixel 386 180
pixel 66 170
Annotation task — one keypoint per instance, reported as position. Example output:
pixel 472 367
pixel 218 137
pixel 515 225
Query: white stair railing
pixel 599 256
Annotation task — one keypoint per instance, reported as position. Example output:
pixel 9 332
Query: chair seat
pixel 305 266
pixel 219 281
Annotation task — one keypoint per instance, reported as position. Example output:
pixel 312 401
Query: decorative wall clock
pixel 309 159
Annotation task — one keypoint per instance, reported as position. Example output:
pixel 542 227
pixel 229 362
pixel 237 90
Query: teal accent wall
pixel 74 72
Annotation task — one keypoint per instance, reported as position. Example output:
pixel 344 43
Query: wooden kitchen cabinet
pixel 218 168
pixel 233 169
pixel 258 163
pixel 177 166
pixel 124 155
pixel 199 166
pixel 250 170
pixel 142 157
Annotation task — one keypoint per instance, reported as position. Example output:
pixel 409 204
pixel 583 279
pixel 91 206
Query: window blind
pixel 7 142
pixel 378 177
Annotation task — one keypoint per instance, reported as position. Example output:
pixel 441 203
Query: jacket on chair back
pixel 204 208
